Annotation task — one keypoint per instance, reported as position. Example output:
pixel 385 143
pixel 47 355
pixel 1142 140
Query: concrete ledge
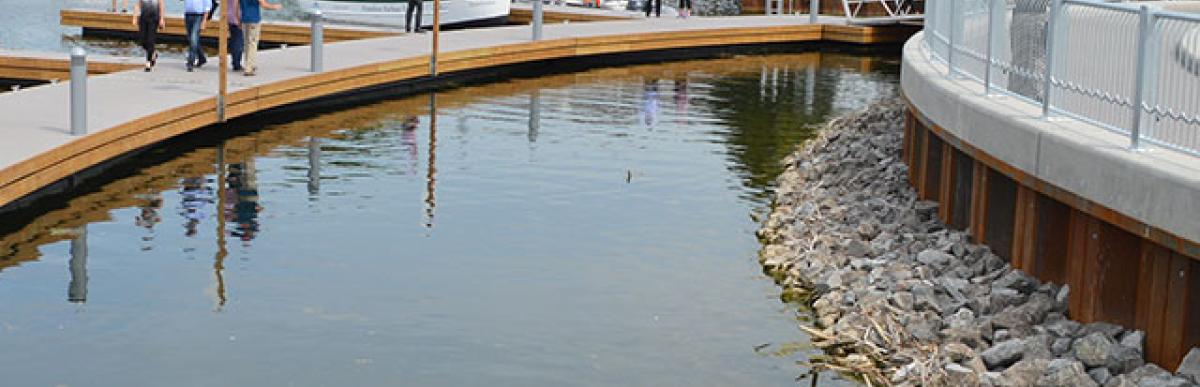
pixel 1158 190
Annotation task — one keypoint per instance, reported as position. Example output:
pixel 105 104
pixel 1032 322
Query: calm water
pixel 584 229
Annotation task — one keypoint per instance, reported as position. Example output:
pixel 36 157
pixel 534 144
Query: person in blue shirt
pixel 194 12
pixel 252 29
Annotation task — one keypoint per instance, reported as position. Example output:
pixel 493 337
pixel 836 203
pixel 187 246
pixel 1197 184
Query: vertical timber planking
pixel 1117 263
pixel 1077 261
pixel 960 213
pixel 1175 315
pixel 979 201
pixel 946 185
pixel 1051 239
pixel 1024 227
pixel 1152 297
pixel 1000 211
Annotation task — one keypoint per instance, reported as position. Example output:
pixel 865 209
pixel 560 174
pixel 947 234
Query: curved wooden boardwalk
pixel 132 109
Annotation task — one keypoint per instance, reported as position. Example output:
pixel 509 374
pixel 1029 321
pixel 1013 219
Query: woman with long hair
pixel 148 17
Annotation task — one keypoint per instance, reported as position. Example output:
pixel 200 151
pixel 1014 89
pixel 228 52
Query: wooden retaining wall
pixel 1119 270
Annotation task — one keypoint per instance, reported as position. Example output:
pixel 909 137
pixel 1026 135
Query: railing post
pixel 814 10
pixel 1053 35
pixel 78 91
pixel 1144 68
pixel 537 19
pixel 951 39
pixel 991 34
pixel 317 54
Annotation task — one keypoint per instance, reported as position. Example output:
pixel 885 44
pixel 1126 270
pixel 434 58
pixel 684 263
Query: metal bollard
pixel 78 91
pixel 537 19
pixel 814 10
pixel 318 42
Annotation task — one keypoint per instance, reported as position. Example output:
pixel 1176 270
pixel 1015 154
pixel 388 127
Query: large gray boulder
pixel 1066 373
pixel 1190 366
pixel 1095 350
pixel 1004 353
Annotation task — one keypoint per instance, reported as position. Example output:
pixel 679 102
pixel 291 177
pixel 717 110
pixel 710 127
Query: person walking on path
pixel 233 14
pixel 409 26
pixel 148 17
pixel 124 6
pixel 656 6
pixel 252 29
pixel 212 10
pixel 193 18
pixel 685 9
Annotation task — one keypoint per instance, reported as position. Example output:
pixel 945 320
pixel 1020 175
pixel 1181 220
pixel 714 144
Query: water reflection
pixel 556 264
pixel 77 290
pixel 241 198
pixel 431 174
pixel 650 103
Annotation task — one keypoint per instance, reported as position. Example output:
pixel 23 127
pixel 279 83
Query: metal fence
pixel 1130 68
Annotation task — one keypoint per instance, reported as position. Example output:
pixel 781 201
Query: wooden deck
pixel 118 24
pixel 52 67
pixel 110 23
pixel 132 109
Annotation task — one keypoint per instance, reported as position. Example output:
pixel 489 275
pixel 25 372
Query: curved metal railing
pixel 1133 69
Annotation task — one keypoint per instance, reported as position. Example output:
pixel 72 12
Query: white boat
pixel 390 13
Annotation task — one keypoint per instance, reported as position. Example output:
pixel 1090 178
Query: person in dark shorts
pixel 148 17
pixel 409 25
pixel 656 6
pixel 685 8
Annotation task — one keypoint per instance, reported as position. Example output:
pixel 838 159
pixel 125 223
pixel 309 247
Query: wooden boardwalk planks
pixel 272 32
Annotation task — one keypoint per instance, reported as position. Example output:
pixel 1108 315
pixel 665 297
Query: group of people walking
pixel 685 8
pixel 245 27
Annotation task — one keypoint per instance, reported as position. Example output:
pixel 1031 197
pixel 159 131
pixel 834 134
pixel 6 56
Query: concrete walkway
pixel 35 122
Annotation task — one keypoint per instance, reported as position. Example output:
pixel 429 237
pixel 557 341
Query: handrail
pixel 1133 69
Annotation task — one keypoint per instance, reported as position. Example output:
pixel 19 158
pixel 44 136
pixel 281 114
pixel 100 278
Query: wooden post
pixel 437 29
pixel 223 51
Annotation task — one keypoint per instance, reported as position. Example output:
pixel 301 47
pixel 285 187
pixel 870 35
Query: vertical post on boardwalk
pixel 317 42
pixel 537 19
pixel 814 10
pixel 437 29
pixel 223 51
pixel 78 91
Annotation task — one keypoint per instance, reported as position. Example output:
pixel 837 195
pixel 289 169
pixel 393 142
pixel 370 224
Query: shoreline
pixel 900 299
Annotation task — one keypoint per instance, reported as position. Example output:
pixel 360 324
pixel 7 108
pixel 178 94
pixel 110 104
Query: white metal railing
pixel 1130 68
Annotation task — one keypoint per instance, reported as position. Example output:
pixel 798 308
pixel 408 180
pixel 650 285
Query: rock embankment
pixel 900 299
